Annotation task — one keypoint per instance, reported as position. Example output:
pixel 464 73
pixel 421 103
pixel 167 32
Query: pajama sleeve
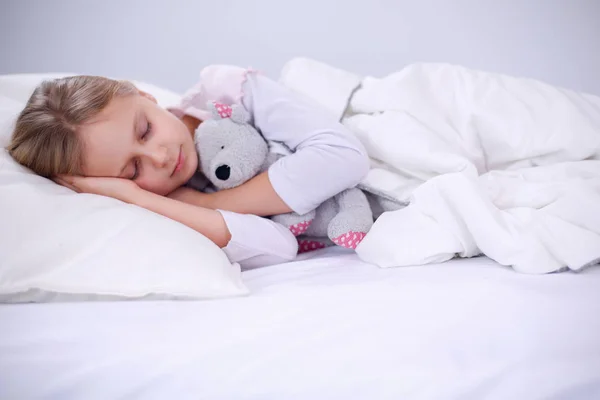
pixel 327 157
pixel 257 241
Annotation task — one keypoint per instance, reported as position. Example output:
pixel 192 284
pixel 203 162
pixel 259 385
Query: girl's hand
pixel 118 188
pixel 209 223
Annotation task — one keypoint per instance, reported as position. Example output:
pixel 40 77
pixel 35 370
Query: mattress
pixel 327 326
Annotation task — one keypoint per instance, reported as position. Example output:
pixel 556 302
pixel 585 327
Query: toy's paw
pixel 349 228
pixel 300 228
pixel 297 224
pixel 307 244
pixel 350 239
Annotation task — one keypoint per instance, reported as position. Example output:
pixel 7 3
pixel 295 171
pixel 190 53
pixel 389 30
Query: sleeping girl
pixel 102 136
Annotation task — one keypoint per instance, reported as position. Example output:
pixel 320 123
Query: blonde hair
pixel 45 137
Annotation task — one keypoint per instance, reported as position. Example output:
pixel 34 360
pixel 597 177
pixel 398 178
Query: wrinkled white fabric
pixel 487 163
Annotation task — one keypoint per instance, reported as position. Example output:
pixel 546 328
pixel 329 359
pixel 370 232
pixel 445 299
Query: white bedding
pixel 328 328
pixel 489 163
pixel 333 326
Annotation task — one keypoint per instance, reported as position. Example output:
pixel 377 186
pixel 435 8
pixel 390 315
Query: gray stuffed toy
pixel 231 151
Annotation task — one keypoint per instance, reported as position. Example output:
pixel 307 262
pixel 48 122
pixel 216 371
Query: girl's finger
pixel 71 180
pixel 67 178
pixel 77 181
pixel 66 184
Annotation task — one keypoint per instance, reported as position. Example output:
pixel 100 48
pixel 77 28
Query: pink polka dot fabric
pixel 305 245
pixel 223 109
pixel 299 228
pixel 350 239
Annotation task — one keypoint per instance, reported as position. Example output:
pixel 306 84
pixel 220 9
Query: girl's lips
pixel 180 162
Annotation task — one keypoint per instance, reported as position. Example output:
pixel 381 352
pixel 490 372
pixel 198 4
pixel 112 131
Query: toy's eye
pixel 222 147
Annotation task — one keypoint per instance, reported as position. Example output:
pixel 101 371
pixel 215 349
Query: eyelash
pixel 148 130
pixel 136 169
pixel 136 163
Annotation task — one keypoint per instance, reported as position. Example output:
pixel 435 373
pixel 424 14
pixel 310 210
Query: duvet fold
pixel 469 163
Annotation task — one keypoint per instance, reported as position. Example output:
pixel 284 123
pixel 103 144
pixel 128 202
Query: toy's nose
pixel 223 172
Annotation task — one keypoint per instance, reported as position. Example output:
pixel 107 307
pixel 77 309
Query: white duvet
pixel 485 163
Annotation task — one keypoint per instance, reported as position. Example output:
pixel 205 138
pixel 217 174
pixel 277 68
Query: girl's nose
pixel 159 156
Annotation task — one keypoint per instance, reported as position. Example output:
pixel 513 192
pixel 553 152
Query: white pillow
pixel 56 245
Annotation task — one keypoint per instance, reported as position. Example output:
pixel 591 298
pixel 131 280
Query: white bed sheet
pixel 331 327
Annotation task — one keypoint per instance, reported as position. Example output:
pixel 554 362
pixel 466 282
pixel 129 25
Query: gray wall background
pixel 167 42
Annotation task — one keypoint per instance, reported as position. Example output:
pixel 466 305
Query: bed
pixel 334 324
pixel 328 326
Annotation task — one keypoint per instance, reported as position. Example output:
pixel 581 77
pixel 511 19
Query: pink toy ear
pixel 223 110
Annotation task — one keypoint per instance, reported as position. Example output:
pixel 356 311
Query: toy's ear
pixel 239 114
pixel 219 110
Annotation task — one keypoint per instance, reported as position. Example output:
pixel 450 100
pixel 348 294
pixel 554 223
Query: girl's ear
pixel 147 95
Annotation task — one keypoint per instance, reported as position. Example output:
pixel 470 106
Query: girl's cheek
pixel 146 185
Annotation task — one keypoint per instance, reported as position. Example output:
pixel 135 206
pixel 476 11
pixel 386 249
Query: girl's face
pixel 136 139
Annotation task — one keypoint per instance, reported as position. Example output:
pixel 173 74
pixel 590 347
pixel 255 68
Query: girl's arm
pixel 256 196
pixel 247 239
pixel 209 223
pixel 328 157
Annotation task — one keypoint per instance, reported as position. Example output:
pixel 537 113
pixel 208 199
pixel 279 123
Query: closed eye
pixel 147 131
pixel 136 169
pixel 136 163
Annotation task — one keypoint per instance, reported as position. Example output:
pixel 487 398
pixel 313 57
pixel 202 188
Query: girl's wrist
pixel 140 197
pixel 192 196
pixel 207 222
